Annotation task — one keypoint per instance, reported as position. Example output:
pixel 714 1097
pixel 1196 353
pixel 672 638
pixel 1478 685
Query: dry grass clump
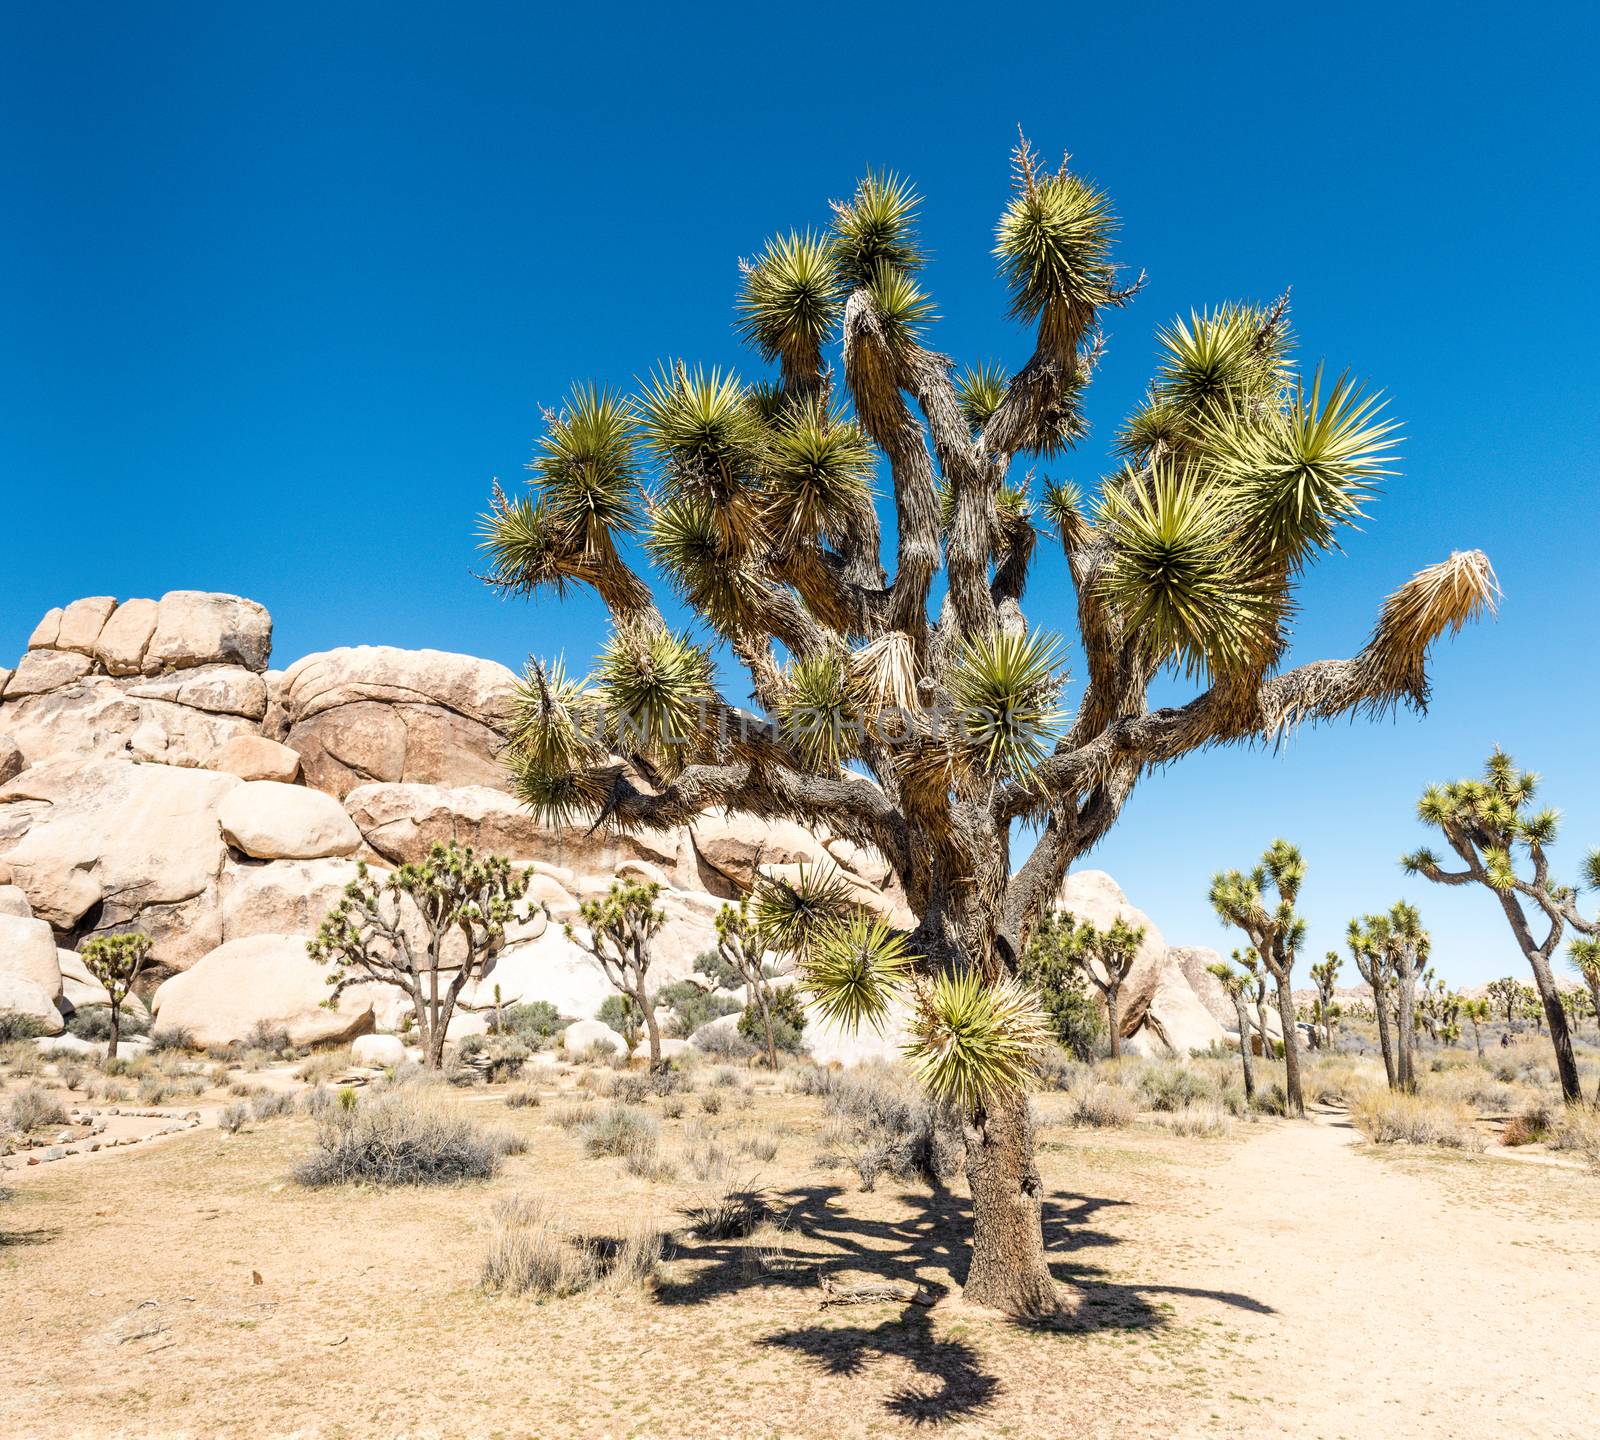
pixel 730 1212
pixel 399 1137
pixel 570 1114
pixel 21 1057
pixel 1387 1118
pixel 533 1252
pixel 894 1128
pixel 272 1104
pixel 525 1097
pixel 1534 1122
pixel 1097 1105
pixel 1203 1119
pixel 1338 1079
pixel 34 1108
pixel 618 1129
pixel 1579 1134
pixel 231 1120
pixel 324 1065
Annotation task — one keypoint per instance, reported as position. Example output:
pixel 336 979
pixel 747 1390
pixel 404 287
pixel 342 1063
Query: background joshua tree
pixel 1241 899
pixel 1487 823
pixel 1396 947
pixel 1372 961
pixel 1325 976
pixel 1050 965
pixel 1439 1010
pixel 1585 956
pixel 1505 994
pixel 445 915
pixel 1105 957
pixel 1256 972
pixel 1237 985
pixel 929 721
pixel 618 933
pixel 1477 1013
pixel 116 961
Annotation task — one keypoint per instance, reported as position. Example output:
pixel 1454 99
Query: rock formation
pixel 156 774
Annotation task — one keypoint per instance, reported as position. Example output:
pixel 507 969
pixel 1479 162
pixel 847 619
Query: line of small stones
pixel 63 1146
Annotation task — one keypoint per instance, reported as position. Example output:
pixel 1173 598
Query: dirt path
pixel 1409 1295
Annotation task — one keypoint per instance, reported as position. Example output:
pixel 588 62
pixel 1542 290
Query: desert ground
pixel 1271 1276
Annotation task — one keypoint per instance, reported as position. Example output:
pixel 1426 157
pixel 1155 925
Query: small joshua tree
pixel 1105 958
pixel 618 932
pixel 1489 824
pixel 430 929
pixel 116 961
pixel 1585 956
pixel 1439 1010
pixel 1505 994
pixel 1396 948
pixel 1276 934
pixel 1477 1013
pixel 1236 985
pixel 1051 967
pixel 742 947
pixel 1372 961
pixel 1325 976
pixel 1256 977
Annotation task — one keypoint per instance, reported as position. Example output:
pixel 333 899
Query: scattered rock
pixel 581 1035
pixel 40 671
pixel 194 627
pixel 377 1052
pixel 254 757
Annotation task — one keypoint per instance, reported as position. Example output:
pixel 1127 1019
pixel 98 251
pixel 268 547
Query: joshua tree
pixel 1506 996
pixel 928 720
pixel 1402 945
pixel 1106 957
pixel 1256 974
pixel 1585 956
pixel 1372 961
pixel 1325 976
pixel 1439 1010
pixel 1050 965
pixel 1240 899
pixel 1487 822
pixel 618 933
pixel 1236 984
pixel 1477 1013
pixel 443 916
pixel 115 961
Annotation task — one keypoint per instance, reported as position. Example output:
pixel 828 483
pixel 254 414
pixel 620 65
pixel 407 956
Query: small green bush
pixel 14 1025
pixel 172 1037
pixel 398 1137
pixel 34 1108
pixel 617 1129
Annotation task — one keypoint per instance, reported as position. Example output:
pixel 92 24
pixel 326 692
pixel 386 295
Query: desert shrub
pixel 1202 1118
pixel 711 1102
pixel 1388 1118
pixel 233 1117
pixel 708 1160
pixel 1272 1099
pixel 324 1065
pixel 172 1037
pixel 1101 1106
pixel 398 1137
pixel 788 1022
pixel 725 1078
pixel 634 1260
pixel 318 1100
pixel 532 1023
pixel 264 1035
pixel 507 1141
pixel 22 1057
pixel 1532 1123
pixel 805 1079
pixel 1169 1085
pixel 526 1098
pixel 691 1006
pixel 644 1159
pixel 723 1043
pixel 14 1025
pixel 530 1254
pixel 272 1104
pixel 1058 1069
pixel 1579 1134
pixel 617 1129
pixel 70 1073
pixel 621 1013
pixel 35 1107
pixel 93 1022
pixel 759 1144
pixel 728 1213
pixel 672 1107
pixel 154 1090
pixel 896 1129
pixel 632 1089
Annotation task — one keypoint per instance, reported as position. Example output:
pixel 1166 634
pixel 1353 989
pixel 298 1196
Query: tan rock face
pixel 11 759
pixel 283 897
pixel 40 671
pixel 196 627
pixel 221 690
pixel 145 835
pixel 82 621
pixel 13 901
pixel 45 632
pixel 23 997
pixel 254 757
pixel 261 978
pixel 28 952
pixel 272 821
pixel 126 636
pixel 374 713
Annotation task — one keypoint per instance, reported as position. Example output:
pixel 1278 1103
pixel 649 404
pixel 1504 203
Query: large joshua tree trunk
pixel 1008 1270
pixel 1380 1006
pixel 1113 1022
pixel 1244 1046
pixel 1549 997
pixel 1291 1048
pixel 651 1029
pixel 1405 1023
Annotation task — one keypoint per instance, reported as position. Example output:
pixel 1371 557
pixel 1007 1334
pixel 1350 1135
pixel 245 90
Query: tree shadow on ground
pixel 927 1247
pixel 42 1235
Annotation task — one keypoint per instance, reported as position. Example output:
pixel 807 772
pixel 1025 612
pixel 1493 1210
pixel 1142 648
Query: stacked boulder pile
pixel 156 774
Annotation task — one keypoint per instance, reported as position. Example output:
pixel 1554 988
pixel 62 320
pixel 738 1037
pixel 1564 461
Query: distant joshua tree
pixel 1103 957
pixel 1487 823
pixel 1275 934
pixel 1585 956
pixel 1402 945
pixel 1477 1013
pixel 904 702
pixel 429 929
pixel 1235 985
pixel 1326 976
pixel 618 932
pixel 1373 963
pixel 1505 994
pixel 116 961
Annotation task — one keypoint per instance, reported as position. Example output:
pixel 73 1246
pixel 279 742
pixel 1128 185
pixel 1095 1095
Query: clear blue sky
pixel 281 288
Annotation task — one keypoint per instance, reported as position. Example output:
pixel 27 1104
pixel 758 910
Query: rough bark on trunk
pixel 1381 1007
pixel 1405 1017
pixel 1008 1270
pixel 1555 1015
pixel 1113 1023
pixel 1244 1048
pixel 116 1030
pixel 1291 1050
pixel 653 1030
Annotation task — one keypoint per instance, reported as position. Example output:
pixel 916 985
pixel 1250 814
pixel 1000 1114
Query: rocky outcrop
pixel 254 757
pixel 264 979
pixel 269 820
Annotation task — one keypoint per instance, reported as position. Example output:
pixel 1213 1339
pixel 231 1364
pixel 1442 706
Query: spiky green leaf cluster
pixel 1005 688
pixel 657 689
pixel 970 1037
pixel 874 232
pixel 1054 247
pixel 790 299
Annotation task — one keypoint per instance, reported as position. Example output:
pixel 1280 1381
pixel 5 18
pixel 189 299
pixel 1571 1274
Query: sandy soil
pixel 1289 1279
